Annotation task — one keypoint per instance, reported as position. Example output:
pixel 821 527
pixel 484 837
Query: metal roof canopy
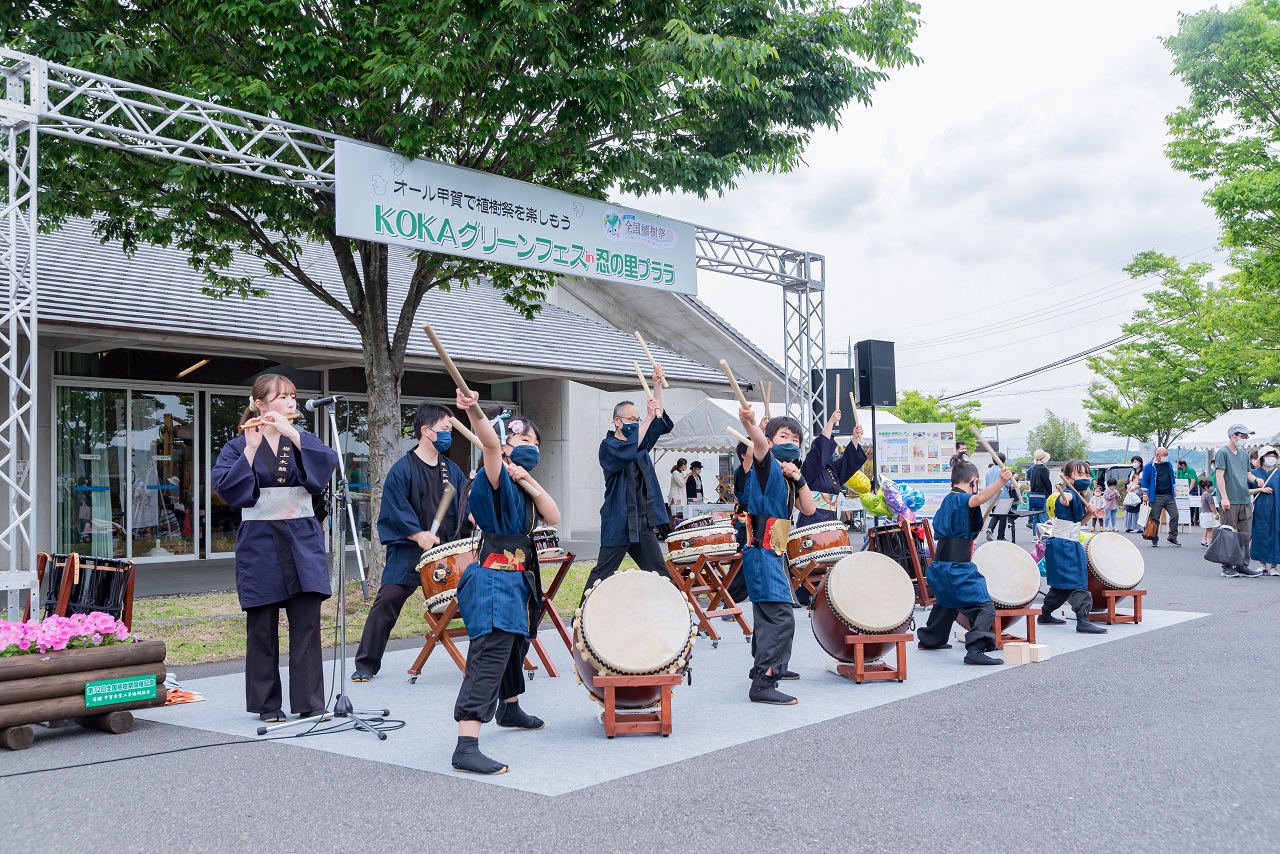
pixel 43 97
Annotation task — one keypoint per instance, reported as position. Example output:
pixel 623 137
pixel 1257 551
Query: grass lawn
pixel 210 626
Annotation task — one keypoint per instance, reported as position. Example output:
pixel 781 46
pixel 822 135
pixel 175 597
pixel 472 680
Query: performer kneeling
pixel 499 596
pixel 410 498
pixel 774 488
pixel 953 576
pixel 1065 562
pixel 271 472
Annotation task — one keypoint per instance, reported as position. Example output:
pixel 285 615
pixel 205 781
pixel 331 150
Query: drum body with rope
pixel 1013 579
pixel 441 569
pixel 546 542
pixel 863 594
pixel 822 542
pixel 1115 563
pixel 706 520
pixel 685 546
pixel 632 623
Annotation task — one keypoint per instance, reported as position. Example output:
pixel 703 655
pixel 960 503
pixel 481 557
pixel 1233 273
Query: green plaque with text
pixel 110 692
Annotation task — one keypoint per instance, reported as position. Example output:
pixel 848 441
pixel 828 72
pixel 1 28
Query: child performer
pixel 953 576
pixel 774 488
pixel 271 471
pixel 826 476
pixel 1066 565
pixel 499 596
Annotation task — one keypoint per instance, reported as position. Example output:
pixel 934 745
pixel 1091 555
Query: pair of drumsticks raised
pixel 765 393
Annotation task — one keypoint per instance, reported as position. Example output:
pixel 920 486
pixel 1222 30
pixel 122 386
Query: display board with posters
pixel 918 454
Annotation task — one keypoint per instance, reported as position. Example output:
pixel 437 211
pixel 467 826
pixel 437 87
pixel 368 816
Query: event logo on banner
pixel 422 204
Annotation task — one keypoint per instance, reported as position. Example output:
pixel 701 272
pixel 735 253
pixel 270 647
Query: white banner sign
pixel 916 451
pixel 422 204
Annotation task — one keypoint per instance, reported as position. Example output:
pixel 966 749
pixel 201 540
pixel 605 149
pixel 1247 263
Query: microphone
pixel 316 402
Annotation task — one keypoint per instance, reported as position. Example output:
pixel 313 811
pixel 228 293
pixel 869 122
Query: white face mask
pixel 1269 462
pixel 1137 466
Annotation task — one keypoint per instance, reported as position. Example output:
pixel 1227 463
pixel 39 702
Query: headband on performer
pixel 498 423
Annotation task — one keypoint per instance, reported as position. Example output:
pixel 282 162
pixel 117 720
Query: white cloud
pixel 1027 150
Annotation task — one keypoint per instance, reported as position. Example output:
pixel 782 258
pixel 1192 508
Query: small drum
pixel 436 604
pixel 823 542
pixel 705 521
pixel 1013 579
pixel 441 568
pixel 864 594
pixel 1114 563
pixel 713 540
pixel 546 542
pixel 637 623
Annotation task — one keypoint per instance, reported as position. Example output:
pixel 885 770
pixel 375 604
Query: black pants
pixel 773 629
pixel 1004 520
pixel 377 628
pixel 979 638
pixel 306 660
pixel 646 553
pixel 495 672
pixel 1166 502
pixel 738 587
pixel 1081 601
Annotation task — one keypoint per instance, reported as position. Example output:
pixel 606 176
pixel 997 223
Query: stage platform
pixel 572 753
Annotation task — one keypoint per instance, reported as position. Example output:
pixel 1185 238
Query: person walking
pixel 1157 492
pixel 1132 502
pixel 1232 472
pixel 1039 485
pixel 1265 542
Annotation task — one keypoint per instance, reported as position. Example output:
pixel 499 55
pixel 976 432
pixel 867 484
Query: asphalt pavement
pixel 1173 751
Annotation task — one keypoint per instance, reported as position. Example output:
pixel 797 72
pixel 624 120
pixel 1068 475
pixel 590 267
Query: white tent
pixel 1265 424
pixel 706 427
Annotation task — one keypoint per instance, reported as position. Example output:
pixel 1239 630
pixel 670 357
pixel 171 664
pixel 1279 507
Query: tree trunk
pixel 382 376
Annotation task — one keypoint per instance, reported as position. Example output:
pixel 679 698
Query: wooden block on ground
pixel 1017 653
pixel 1038 651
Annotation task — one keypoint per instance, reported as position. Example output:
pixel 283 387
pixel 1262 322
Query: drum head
pixel 436 604
pixel 870 591
pixel 543 529
pixel 444 550
pixel 1115 560
pixel 636 622
pixel 1013 579
pixel 817 527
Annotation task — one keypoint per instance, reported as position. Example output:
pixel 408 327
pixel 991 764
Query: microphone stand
pixel 342 707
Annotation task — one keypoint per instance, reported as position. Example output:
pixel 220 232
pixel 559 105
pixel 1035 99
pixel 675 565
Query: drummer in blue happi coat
pixel 271 472
pixel 1264 543
pixel 500 595
pixel 414 488
pixel 826 477
pixel 1065 562
pixel 774 490
pixel 953 576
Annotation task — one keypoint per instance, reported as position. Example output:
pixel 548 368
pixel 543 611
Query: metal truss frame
pixel 60 101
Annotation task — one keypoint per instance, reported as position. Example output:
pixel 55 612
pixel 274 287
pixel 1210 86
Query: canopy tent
pixel 706 427
pixel 1265 424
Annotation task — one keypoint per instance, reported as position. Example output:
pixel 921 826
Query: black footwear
pixel 361 676
pixel 980 658
pixel 1088 627
pixel 272 717
pixel 990 534
pixel 788 675
pixel 1155 544
pixel 1175 544
pixel 772 696
pixel 312 714
pixel 468 758
pixel 929 648
pixel 1050 620
pixel 511 716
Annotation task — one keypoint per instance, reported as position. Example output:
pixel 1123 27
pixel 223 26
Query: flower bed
pixel 57 633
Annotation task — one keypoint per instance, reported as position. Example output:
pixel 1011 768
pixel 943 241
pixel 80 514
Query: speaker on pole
pixel 877 376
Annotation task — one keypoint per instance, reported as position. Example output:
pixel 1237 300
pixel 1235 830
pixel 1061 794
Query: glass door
pixel 92 431
pixel 163 486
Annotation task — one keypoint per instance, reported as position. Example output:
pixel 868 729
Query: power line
pixel 1049 367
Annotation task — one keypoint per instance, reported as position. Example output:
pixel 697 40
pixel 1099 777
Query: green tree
pixel 1186 363
pixel 642 96
pixel 1060 437
pixel 916 408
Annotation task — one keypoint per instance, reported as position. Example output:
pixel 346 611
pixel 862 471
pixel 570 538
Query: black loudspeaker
pixel 877 377
pixel 848 378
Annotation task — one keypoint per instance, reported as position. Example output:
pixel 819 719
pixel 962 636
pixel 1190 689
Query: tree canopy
pixel 1060 437
pixel 591 97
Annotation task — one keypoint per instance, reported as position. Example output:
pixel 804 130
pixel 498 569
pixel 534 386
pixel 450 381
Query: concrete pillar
pixel 547 403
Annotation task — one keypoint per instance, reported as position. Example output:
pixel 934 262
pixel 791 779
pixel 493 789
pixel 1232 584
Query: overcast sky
pixel 1019 166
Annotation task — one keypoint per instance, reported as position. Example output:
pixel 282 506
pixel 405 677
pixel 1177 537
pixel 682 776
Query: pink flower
pixel 24 644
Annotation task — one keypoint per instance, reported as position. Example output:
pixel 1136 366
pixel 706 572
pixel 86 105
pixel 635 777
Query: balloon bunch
pixel 873 503
pixel 893 501
pixel 859 483
pixel 893 497
pixel 913 497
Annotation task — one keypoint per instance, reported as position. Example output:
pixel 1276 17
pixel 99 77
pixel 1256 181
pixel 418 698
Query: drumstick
pixel 764 396
pixel 652 361
pixel 450 366
pixel 853 404
pixel 446 501
pixel 741 438
pixel 258 422
pixel 459 427
pixel 742 398
pixel 837 391
pixel 645 385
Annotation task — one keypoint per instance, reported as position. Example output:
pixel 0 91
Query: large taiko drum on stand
pixel 686 545
pixel 863 594
pixel 1013 579
pixel 632 623
pixel 822 543
pixel 441 569
pixel 1115 563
